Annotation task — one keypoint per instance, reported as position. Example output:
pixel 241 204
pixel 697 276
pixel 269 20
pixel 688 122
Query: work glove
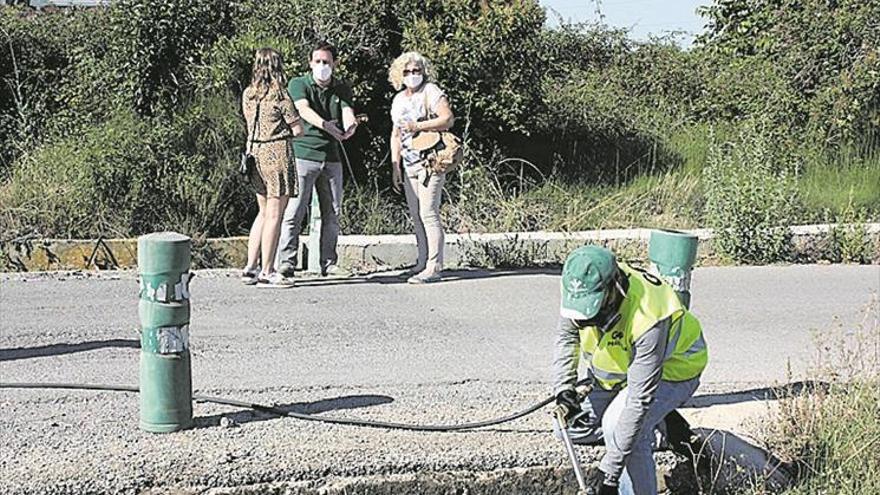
pixel 606 489
pixel 569 400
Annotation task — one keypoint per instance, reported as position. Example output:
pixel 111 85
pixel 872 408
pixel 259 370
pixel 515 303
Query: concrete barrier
pixel 364 253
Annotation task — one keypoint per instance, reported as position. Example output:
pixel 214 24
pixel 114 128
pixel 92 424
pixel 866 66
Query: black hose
pixel 303 416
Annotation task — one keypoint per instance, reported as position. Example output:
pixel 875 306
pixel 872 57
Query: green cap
pixel 587 273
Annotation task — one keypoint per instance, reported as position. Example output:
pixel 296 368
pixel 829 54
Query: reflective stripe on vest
pixel 617 379
pixel 648 301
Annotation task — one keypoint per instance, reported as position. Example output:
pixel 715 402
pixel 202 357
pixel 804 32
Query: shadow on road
pixel 764 393
pixel 317 407
pixel 58 349
pixel 392 278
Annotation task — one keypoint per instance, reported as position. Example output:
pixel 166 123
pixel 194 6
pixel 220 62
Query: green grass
pixel 829 183
pixel 482 197
pixel 670 199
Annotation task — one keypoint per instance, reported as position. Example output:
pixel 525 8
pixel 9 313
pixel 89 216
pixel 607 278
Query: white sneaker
pixel 336 271
pixel 274 281
pixel 249 276
pixel 424 278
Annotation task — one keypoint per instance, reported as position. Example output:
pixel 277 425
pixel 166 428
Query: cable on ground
pixel 303 416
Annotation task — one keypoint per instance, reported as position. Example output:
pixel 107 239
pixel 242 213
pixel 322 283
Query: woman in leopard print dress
pixel 272 123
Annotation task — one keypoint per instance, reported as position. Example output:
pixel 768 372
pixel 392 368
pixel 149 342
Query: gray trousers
pixel 599 420
pixel 326 178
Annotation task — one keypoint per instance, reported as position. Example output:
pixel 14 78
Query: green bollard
pixel 672 256
pixel 314 260
pixel 165 372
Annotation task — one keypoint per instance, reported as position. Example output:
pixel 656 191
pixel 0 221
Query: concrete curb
pixel 811 244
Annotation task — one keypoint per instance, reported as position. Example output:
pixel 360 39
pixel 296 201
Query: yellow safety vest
pixel 648 301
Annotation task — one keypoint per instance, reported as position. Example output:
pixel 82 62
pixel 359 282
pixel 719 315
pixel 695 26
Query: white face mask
pixel 322 72
pixel 412 81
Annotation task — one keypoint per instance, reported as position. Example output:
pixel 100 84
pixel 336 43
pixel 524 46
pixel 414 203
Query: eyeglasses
pixel 407 72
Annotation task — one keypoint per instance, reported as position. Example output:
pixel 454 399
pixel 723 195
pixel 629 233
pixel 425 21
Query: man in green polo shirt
pixel 325 104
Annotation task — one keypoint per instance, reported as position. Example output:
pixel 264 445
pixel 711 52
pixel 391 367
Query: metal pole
pixel 672 256
pixel 165 371
pixel 559 420
pixel 314 261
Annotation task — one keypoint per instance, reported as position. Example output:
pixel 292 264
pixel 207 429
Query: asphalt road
pixel 476 346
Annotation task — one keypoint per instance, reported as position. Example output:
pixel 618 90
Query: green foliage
pixel 153 44
pixel 372 212
pixel 509 253
pixel 825 51
pixel 835 180
pixel 567 128
pixel 750 198
pixel 487 56
pixel 607 113
pixel 849 239
pixel 130 176
pixel 36 52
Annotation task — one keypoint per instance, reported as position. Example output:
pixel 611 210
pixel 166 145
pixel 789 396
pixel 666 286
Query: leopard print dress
pixel 272 146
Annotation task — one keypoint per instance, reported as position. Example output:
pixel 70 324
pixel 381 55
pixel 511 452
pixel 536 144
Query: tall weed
pixel 750 197
pixel 850 242
pixel 832 432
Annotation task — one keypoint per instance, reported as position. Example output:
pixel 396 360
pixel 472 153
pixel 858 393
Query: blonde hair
pixel 395 72
pixel 267 74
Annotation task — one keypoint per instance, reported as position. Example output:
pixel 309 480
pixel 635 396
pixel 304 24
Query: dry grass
pixel 831 433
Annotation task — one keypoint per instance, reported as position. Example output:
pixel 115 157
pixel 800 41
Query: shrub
pixel 750 198
pixel 132 175
pixel 154 44
pixel 826 52
pixel 36 55
pixel 487 57
pixel 850 242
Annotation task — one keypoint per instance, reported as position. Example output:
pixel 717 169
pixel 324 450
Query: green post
pixel 672 256
pixel 314 260
pixel 165 373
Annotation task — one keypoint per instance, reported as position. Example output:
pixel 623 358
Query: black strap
pixel 250 146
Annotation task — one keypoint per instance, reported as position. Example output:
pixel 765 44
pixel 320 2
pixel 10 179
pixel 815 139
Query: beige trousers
pixel 424 208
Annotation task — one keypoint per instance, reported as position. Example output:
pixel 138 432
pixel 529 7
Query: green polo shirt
pixel 315 144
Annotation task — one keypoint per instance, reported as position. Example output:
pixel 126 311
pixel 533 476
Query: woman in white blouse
pixel 420 105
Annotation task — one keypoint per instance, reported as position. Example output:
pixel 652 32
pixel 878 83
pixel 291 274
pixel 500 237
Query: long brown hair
pixel 267 74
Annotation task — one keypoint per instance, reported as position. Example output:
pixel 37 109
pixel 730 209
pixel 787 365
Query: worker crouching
pixel 644 352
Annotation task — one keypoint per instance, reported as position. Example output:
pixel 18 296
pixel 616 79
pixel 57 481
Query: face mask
pixel 322 72
pixel 412 81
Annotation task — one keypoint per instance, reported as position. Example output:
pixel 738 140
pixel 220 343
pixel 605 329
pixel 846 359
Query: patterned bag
pixel 441 151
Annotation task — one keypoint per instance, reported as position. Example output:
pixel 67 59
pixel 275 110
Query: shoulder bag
pixel 248 161
pixel 441 151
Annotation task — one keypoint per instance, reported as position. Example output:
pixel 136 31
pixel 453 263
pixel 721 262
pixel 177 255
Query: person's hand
pixel 396 177
pixel 569 400
pixel 411 126
pixel 331 128
pixel 350 131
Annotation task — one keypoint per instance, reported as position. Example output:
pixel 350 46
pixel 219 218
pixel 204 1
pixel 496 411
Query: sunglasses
pixel 407 72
